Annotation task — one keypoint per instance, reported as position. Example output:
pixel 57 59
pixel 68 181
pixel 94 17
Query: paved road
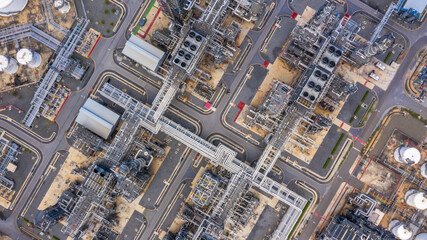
pixel 102 56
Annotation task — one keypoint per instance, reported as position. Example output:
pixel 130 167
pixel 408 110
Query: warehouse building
pixel 97 118
pixel 144 53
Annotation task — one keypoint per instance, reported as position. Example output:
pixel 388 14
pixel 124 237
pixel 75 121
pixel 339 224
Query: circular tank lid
pixel 24 56
pixel 413 154
pixel 421 236
pixel 403 233
pixel 5 3
pixel 420 201
pixel 4 62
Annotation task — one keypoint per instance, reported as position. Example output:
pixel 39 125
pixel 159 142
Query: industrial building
pixel 354 227
pixel 144 53
pixel 97 118
pixel 12 7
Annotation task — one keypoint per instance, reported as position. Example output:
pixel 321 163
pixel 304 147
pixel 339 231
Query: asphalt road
pixel 102 56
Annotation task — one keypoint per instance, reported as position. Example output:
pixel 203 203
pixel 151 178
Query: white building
pixel 97 118
pixel 11 7
pixel 144 53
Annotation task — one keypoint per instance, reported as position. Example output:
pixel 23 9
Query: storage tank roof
pixel 5 3
pixel 11 7
pixel 4 62
pixel 423 170
pixel 421 236
pixel 24 56
pixel 403 233
pixel 420 201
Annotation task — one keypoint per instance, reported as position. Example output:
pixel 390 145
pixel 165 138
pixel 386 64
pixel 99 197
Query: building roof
pixel 143 53
pixel 417 5
pixel 97 118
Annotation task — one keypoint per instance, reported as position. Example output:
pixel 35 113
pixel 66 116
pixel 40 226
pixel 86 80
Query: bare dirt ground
pixel 379 178
pixel 361 75
pixel 65 177
pixel 278 70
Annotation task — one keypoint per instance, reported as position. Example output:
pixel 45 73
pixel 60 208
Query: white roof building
pixel 97 118
pixel 144 53
pixel 417 5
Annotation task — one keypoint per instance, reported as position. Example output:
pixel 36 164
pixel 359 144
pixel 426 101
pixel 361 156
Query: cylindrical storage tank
pixel 407 155
pixel 423 170
pixel 416 199
pixel 11 7
pixel 8 65
pixel 62 5
pixel 27 57
pixel 400 230
pixel 421 236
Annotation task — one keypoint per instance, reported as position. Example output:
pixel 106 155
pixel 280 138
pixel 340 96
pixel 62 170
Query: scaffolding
pixel 28 30
pixel 59 64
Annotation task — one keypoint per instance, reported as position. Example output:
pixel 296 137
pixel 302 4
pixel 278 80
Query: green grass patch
pixel 299 219
pixel 26 220
pixel 365 96
pixel 367 112
pixel 386 58
pixel 136 30
pixel 351 119
pixel 108 31
pixel 415 115
pixel 106 11
pixel 338 143
pixel 149 8
pixel 106 2
pixel 326 163
pixel 55 238
pixel 113 10
pixel 15 93
pixel 357 110
pixel 102 22
pixel 111 24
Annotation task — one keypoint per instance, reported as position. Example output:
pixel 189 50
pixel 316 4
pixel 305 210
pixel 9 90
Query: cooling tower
pixel 30 58
pixel 416 199
pixel 62 5
pixel 407 155
pixel 8 65
pixel 400 230
pixel 11 7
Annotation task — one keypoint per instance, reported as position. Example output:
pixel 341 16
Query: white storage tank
pixel 8 65
pixel 423 170
pixel 30 58
pixel 62 5
pixel 421 236
pixel 400 230
pixel 407 155
pixel 416 199
pixel 11 7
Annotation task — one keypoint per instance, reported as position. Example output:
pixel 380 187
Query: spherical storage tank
pixel 11 7
pixel 400 230
pixel 8 65
pixel 407 155
pixel 421 236
pixel 27 57
pixel 423 170
pixel 416 199
pixel 62 5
